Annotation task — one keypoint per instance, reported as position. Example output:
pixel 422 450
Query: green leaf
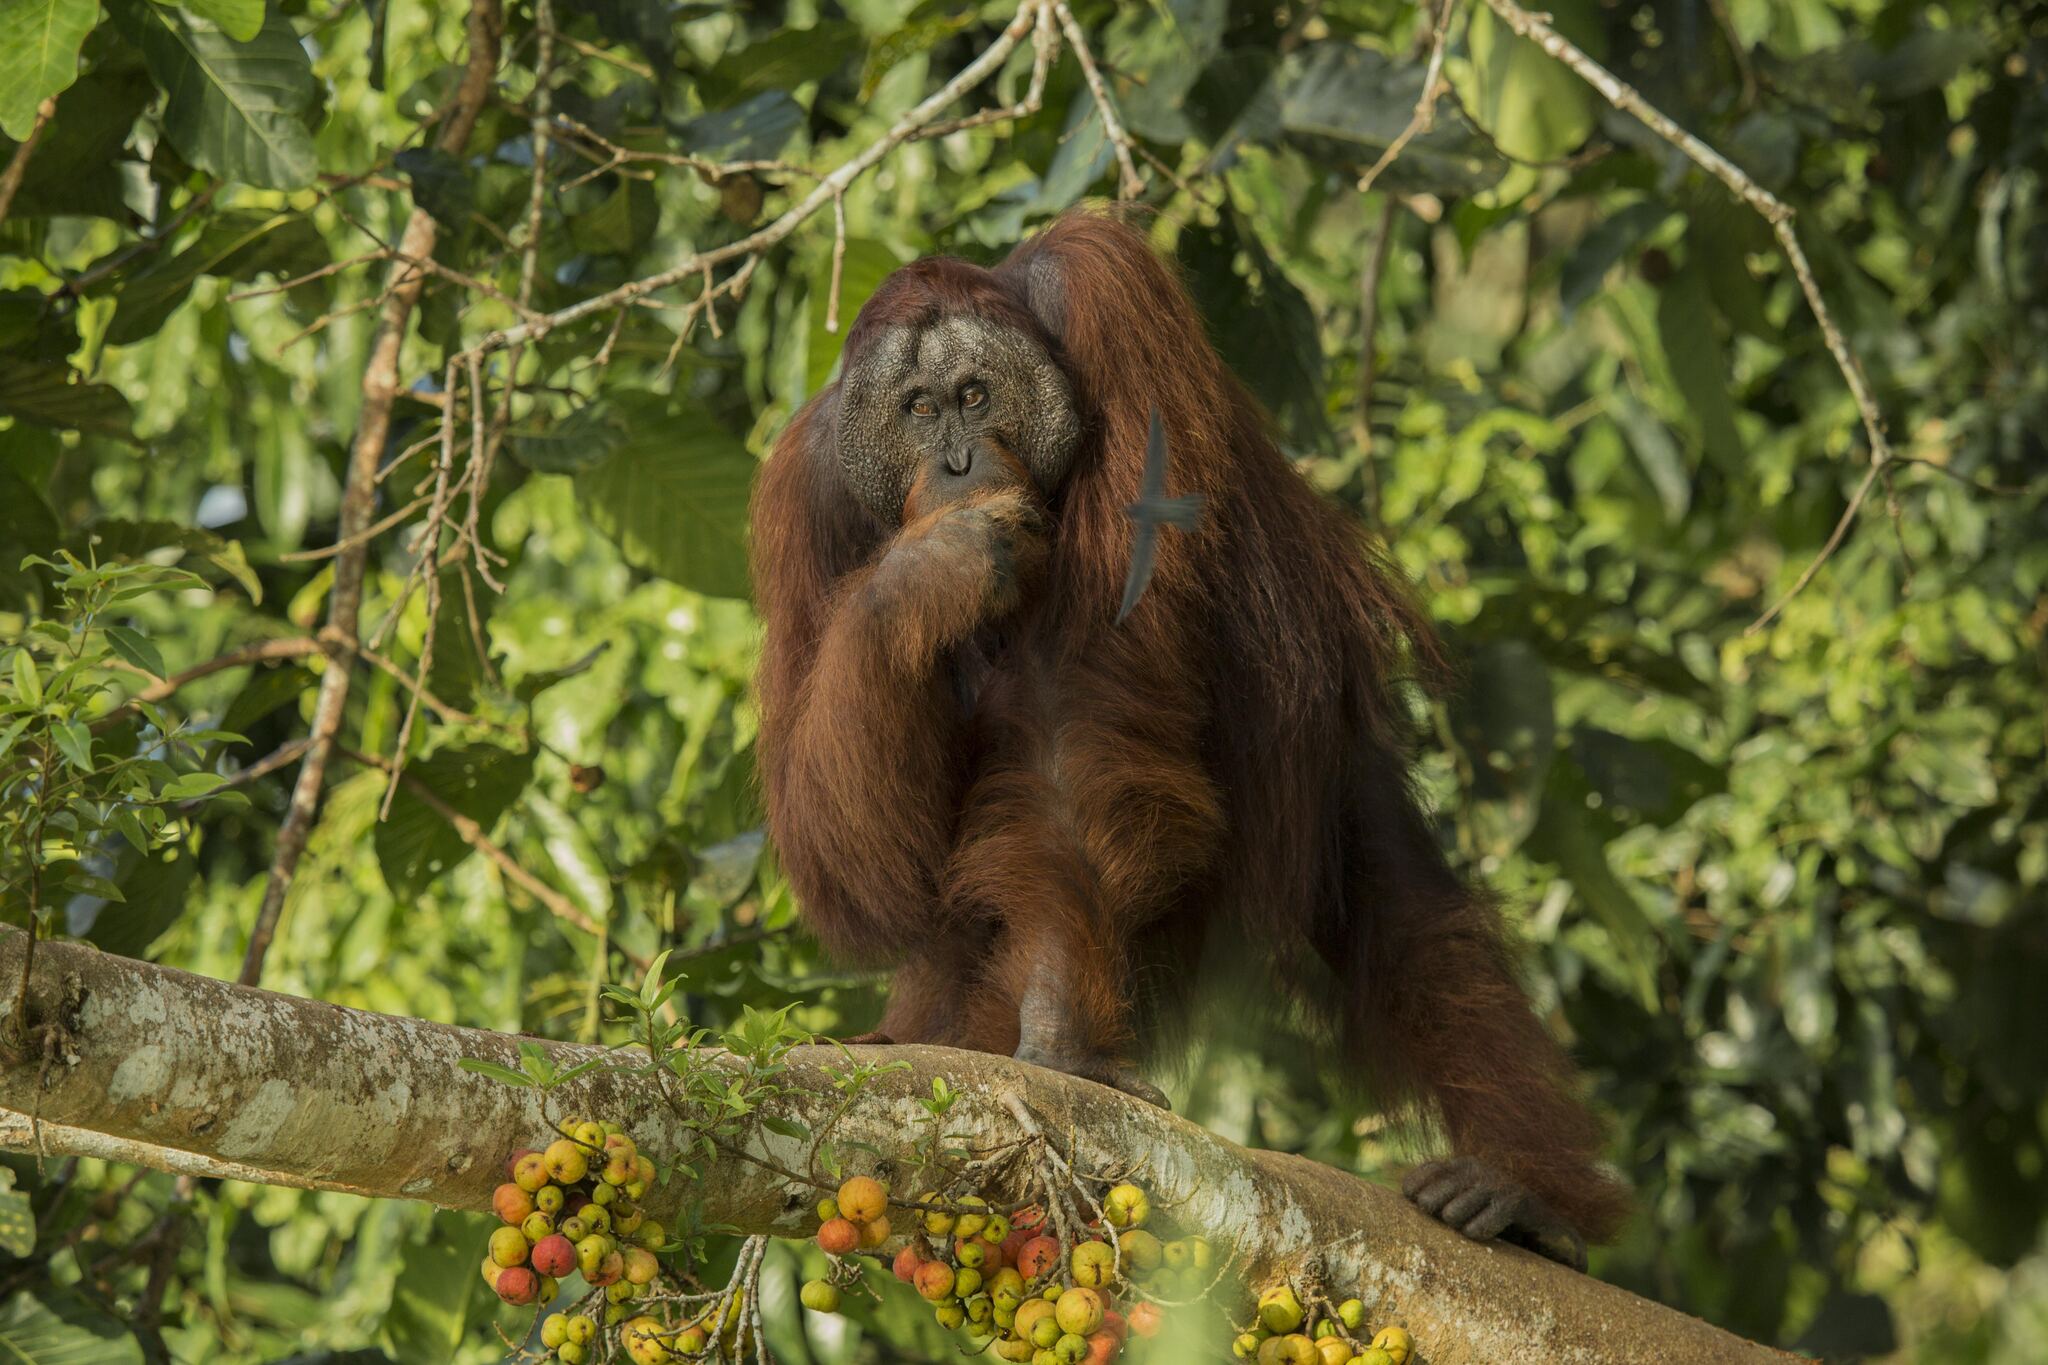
pixel 65 1331
pixel 496 1072
pixel 28 682
pixel 239 19
pixel 788 1128
pixel 440 185
pixel 783 61
pixel 1570 834
pixel 236 109
pixel 137 649
pixel 17 1218
pixel 674 496
pixel 415 845
pixel 120 539
pixel 79 167
pixel 437 1290
pixel 153 890
pixel 188 786
pixel 586 437
pixel 39 43
pixel 1532 105
pixel 755 130
pixel 48 396
pixel 236 245
pixel 74 740
pixel 1344 104
pixel 1612 238
pixel 1699 364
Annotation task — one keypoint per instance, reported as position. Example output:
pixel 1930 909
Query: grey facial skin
pixel 934 398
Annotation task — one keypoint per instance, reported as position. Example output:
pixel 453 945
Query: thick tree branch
pixel 186 1073
pixel 359 492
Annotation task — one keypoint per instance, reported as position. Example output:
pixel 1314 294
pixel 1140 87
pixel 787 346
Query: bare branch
pixel 702 263
pixel 1129 185
pixel 1433 87
pixel 359 491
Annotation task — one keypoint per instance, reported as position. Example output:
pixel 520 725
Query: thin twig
pixel 473 834
pixel 268 651
pixel 17 165
pixel 820 197
pixel 838 262
pixel 1433 87
pixel 485 26
pixel 1129 185
pixel 368 533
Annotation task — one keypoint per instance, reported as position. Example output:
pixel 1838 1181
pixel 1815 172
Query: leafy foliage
pixel 1783 890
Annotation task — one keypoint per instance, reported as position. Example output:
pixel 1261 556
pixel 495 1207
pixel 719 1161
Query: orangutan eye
pixel 974 396
pixel 923 407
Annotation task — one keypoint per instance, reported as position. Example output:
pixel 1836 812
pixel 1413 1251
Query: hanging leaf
pixel 237 109
pixel 1345 104
pixel 753 130
pixel 585 438
pixel 39 43
pixel 416 845
pixel 1532 105
pixel 674 496
pixel 1699 364
pixel 440 185
pixel 47 396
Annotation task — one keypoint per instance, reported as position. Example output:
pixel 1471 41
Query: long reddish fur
pixel 1234 757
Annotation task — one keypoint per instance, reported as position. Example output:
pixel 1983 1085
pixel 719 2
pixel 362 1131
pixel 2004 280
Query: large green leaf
pixel 34 1333
pixel 39 43
pixel 235 109
pixel 674 496
pixel 237 245
pixel 416 845
pixel 786 59
pixel 436 1293
pixel 1533 106
pixel 78 166
pixel 239 19
pixel 1699 364
pixel 47 396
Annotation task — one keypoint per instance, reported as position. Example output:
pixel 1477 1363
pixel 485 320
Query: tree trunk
pixel 184 1073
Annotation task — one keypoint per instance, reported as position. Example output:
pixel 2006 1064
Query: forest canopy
pixel 381 389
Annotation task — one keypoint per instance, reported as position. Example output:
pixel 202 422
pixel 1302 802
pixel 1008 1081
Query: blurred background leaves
pixel 1784 891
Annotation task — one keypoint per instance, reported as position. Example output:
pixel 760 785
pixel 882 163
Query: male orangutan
pixel 1038 816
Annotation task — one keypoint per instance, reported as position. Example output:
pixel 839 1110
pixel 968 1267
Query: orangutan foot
pixel 1480 1202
